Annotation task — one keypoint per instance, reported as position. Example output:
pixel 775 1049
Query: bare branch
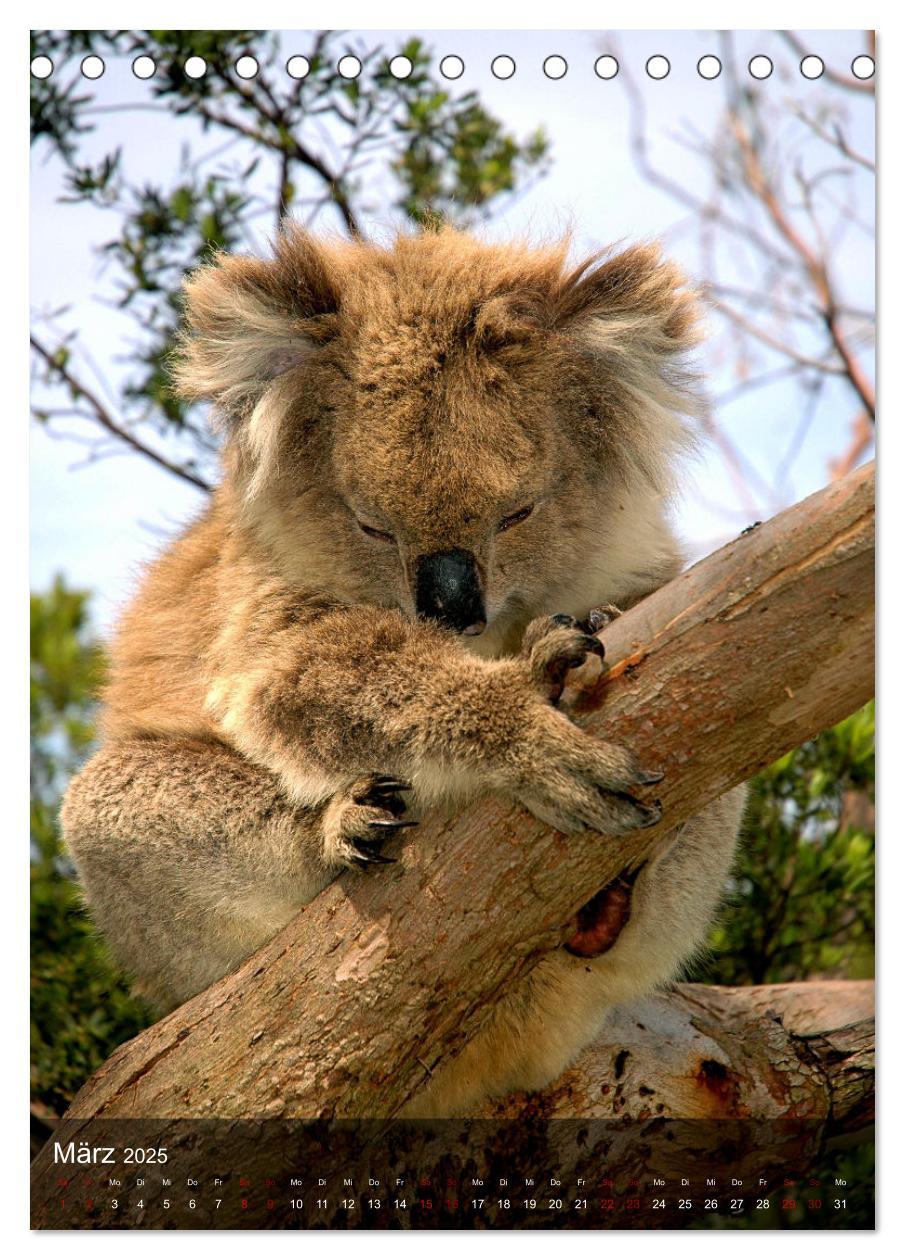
pixel 776 343
pixel 104 418
pixel 815 265
pixel 707 210
pixel 862 438
pixel 847 81
pixel 835 138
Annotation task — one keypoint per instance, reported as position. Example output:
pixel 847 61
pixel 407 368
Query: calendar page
pixel 452 629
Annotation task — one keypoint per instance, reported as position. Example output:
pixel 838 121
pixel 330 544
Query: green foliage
pixel 81 1008
pixel 803 895
pixel 455 154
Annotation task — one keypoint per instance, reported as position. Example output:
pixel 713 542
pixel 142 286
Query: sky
pixel 97 522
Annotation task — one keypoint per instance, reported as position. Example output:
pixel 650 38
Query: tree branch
pixel 815 266
pixel 849 82
pixel 741 658
pixel 286 143
pixel 779 1046
pixel 106 420
pixel 702 1083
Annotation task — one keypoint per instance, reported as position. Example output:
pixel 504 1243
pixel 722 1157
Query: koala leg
pixel 535 1032
pixel 191 856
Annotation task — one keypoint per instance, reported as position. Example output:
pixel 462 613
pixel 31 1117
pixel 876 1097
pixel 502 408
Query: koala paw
pixel 361 819
pixel 599 618
pixel 555 645
pixel 576 782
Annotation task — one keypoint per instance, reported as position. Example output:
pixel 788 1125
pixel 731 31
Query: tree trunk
pixel 746 655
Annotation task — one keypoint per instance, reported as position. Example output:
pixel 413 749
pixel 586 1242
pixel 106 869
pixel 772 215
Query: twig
pixel 862 437
pixel 775 343
pixel 836 138
pixel 106 420
pixel 814 264
pixel 849 82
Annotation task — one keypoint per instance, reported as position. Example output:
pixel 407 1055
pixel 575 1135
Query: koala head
pixel 471 432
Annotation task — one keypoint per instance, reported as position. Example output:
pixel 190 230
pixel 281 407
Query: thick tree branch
pixel 743 657
pixel 762 1052
pixel 704 1083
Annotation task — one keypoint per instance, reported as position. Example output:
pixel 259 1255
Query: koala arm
pixel 354 690
pixel 192 857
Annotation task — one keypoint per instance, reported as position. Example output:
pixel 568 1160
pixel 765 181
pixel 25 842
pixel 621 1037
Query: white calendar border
pixel 13 633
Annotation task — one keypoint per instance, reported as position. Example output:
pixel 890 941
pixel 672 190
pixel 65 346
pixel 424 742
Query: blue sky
pixel 97 523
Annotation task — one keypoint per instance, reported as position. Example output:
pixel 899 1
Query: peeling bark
pixel 768 1053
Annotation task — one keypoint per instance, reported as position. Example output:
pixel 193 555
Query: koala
pixel 439 455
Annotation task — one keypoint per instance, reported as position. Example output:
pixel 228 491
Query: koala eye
pixel 515 518
pixel 375 533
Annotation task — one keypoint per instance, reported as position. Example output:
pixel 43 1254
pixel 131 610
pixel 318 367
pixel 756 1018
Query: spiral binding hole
pixel 297 67
pixel 92 67
pixel 144 67
pixel 401 67
pixel 452 67
pixel 195 67
pixel 863 67
pixel 247 67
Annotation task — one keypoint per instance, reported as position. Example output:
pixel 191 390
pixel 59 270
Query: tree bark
pixel 746 655
pixel 757 1053
pixel 737 1090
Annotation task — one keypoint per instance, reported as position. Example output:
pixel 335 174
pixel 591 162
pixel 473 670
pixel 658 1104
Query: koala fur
pixel 439 456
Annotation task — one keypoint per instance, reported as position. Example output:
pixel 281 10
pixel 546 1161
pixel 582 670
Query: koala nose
pixel 448 590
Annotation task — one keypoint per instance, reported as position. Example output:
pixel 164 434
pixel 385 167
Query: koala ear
pixel 631 304
pixel 634 319
pixel 249 321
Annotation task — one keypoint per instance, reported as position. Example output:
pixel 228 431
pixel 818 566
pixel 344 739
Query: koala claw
pixel 576 783
pixel 364 853
pixel 649 815
pixel 382 791
pixel 360 820
pixel 554 646
pixel 600 618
